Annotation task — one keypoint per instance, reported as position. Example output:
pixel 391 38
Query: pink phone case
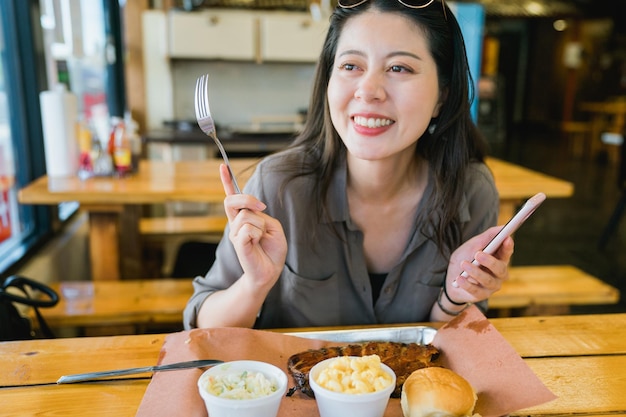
pixel 512 225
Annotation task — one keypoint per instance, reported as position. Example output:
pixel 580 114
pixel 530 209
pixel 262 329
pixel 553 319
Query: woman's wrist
pixel 445 292
pixel 453 309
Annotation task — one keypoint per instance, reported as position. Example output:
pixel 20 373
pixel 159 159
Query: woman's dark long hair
pixel 449 147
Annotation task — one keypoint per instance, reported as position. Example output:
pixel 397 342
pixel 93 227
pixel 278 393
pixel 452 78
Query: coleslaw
pixel 240 385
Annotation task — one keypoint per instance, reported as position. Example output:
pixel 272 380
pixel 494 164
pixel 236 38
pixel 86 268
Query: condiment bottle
pixel 119 148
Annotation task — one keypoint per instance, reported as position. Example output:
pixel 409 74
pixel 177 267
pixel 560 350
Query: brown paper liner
pixel 470 346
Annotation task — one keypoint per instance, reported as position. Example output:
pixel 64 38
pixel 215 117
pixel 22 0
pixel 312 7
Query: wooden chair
pixel 577 134
pixel 620 206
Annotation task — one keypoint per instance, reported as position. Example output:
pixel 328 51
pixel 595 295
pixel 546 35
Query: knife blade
pixel 89 376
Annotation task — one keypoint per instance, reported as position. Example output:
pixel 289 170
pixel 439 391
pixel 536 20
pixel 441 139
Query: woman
pixel 367 217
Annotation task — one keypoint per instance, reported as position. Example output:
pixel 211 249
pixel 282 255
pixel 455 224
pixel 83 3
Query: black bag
pixel 12 325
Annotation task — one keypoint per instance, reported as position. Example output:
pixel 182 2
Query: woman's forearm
pixel 237 306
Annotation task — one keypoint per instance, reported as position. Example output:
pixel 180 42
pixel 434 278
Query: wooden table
pixel 516 183
pixel 582 359
pixel 113 204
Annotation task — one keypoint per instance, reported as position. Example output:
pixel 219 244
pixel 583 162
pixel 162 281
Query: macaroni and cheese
pixel 354 375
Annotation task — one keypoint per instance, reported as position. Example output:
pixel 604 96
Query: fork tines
pixel 201 103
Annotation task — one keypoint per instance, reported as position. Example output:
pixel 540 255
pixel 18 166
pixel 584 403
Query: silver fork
pixel 206 123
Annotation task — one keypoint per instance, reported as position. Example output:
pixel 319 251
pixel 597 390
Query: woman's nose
pixel 371 87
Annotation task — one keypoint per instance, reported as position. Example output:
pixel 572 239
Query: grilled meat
pixel 403 358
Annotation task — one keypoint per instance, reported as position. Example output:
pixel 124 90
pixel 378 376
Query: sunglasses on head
pixel 411 4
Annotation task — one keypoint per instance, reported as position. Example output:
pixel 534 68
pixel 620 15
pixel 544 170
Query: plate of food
pixel 469 346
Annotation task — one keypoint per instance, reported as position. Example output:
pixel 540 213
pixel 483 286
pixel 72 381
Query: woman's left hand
pixel 483 279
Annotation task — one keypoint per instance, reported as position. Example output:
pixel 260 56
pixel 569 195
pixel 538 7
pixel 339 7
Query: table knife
pixel 69 379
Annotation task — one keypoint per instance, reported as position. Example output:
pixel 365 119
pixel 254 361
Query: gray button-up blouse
pixel 325 281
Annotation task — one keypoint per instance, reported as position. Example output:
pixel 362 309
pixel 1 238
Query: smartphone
pixel 512 225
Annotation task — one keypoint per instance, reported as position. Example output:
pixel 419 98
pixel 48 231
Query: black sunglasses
pixel 411 4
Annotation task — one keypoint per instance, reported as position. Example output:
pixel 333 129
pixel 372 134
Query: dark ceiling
pixel 554 8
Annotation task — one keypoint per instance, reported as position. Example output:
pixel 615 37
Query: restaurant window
pixel 43 43
pixel 10 217
pixel 21 151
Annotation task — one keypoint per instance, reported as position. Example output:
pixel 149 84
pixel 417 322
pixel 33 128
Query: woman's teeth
pixel 371 122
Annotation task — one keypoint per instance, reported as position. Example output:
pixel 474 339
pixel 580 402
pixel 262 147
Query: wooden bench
pixel 119 307
pixel 537 290
pixel 182 225
pixel 148 302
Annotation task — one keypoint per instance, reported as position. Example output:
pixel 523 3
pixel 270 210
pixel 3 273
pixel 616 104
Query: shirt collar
pixel 338 210
pixel 338 197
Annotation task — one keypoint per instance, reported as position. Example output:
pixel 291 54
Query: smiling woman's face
pixel 384 88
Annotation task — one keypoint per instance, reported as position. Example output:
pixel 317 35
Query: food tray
pixel 422 335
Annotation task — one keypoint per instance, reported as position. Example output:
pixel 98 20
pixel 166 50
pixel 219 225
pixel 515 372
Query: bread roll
pixel 437 392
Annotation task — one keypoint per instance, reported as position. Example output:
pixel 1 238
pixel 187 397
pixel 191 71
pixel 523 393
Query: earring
pixel 431 128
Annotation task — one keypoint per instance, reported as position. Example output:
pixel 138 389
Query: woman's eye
pixel 348 67
pixel 399 68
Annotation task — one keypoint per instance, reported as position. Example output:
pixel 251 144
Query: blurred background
pixel 538 67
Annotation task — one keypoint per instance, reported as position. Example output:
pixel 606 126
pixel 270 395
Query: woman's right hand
pixel 259 239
